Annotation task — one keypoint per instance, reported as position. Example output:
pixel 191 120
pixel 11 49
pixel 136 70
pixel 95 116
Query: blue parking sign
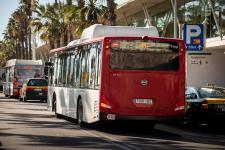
pixel 194 37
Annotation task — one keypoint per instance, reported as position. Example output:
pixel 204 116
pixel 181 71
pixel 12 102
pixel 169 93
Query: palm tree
pixel 69 11
pixel 69 2
pixel 27 6
pixel 80 3
pixel 15 32
pixel 21 26
pixel 112 16
pixel 62 22
pixel 7 51
pixel 50 23
pixel 92 12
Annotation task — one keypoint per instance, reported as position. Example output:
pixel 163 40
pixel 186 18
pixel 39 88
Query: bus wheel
pixel 20 98
pixel 55 109
pixel 24 99
pixel 80 114
pixel 43 100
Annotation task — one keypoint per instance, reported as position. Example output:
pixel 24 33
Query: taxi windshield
pixel 211 93
pixel 37 82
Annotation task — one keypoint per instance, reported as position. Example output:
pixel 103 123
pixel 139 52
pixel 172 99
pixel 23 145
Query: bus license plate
pixel 37 90
pixel 143 101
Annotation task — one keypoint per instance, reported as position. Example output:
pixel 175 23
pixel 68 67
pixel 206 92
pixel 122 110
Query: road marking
pixel 107 138
pixel 111 140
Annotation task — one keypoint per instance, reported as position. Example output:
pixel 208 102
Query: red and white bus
pixel 17 70
pixel 115 73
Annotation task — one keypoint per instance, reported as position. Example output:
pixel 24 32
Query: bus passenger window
pixel 92 73
pixel 84 66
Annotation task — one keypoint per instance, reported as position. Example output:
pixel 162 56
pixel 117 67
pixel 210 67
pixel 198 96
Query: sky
pixel 7 7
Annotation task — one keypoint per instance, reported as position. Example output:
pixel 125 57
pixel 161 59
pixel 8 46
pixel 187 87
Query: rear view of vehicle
pixel 119 73
pixel 206 104
pixel 34 89
pixel 143 79
pixel 18 70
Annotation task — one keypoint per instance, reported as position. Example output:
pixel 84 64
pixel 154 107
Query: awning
pixel 133 6
pixel 215 43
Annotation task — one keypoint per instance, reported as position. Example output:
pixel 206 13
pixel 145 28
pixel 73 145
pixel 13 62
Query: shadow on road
pixel 85 142
pixel 137 133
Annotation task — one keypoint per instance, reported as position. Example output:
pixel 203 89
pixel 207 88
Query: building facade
pixel 204 67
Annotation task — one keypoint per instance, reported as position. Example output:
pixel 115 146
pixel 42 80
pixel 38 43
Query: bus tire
pixel 55 108
pixel 43 100
pixel 24 99
pixel 20 98
pixel 80 114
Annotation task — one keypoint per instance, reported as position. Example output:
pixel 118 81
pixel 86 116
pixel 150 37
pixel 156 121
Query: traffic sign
pixel 194 37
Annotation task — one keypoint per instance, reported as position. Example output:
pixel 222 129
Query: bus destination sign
pixel 141 45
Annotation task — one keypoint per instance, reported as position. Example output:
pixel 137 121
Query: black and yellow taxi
pixel 34 89
pixel 204 104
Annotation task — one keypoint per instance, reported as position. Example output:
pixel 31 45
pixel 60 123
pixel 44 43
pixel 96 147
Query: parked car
pixel 34 89
pixel 221 89
pixel 204 104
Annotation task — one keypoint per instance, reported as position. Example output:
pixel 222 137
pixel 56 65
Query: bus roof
pixel 99 30
pixel 13 62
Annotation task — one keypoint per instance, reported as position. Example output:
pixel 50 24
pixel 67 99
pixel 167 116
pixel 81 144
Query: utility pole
pixel 175 18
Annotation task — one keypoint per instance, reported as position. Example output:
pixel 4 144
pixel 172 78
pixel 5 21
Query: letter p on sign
pixel 193 37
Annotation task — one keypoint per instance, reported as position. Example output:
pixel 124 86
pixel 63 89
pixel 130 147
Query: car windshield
pixel 211 93
pixel 37 82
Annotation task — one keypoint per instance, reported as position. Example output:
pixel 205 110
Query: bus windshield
pixel 24 73
pixel 144 55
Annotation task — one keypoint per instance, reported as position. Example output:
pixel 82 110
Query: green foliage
pixel 56 24
pixel 7 51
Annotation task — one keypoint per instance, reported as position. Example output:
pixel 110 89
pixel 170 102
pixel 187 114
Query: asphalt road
pixel 30 126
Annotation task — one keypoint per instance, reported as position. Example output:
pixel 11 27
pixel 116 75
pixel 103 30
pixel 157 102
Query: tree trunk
pixel 29 36
pixel 58 42
pixel 65 38
pixel 26 47
pixel 51 43
pixel 112 16
pixel 17 49
pixel 23 50
pixel 20 50
pixel 69 2
pixel 70 33
pixel 29 42
pixel 80 3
